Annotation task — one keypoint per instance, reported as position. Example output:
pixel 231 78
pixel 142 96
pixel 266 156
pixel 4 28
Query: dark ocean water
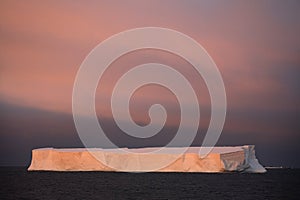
pixel 17 183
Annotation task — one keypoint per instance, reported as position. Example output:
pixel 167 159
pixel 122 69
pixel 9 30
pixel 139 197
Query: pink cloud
pixel 45 43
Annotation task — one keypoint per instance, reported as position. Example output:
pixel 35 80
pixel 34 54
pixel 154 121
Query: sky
pixel 255 45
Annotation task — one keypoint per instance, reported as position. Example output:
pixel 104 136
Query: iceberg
pixel 220 159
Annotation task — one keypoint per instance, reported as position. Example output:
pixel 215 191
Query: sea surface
pixel 18 183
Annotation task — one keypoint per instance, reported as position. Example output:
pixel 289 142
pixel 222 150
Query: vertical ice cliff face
pixel 233 161
pixel 251 161
pixel 241 159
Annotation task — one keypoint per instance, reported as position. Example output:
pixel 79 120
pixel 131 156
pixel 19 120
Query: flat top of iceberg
pixel 218 150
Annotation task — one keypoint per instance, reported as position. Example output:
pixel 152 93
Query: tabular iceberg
pixel 220 159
